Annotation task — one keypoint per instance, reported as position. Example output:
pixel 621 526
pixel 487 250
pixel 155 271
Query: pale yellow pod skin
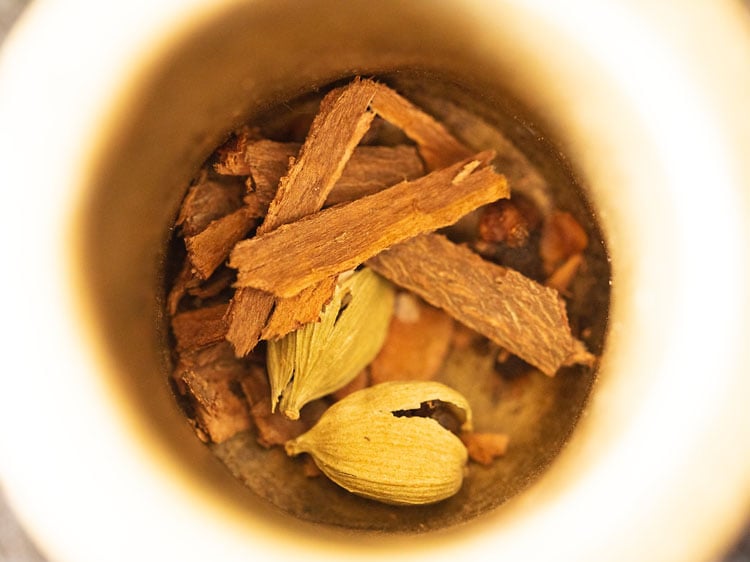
pixel 364 448
pixel 321 357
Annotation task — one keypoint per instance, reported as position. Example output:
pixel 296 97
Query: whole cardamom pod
pixel 321 357
pixel 392 442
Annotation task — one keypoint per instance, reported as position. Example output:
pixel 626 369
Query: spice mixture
pixel 353 244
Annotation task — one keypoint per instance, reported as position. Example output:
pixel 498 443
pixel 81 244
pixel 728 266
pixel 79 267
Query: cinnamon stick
pixel 207 201
pixel 342 121
pixel 200 327
pixel 208 377
pixel 524 317
pixel 208 249
pixel 436 145
pixel 290 314
pixel 370 169
pixel 337 128
pixel 297 255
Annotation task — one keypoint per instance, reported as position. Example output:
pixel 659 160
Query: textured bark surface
pixel 208 249
pixel 436 145
pixel 519 314
pixel 305 252
pixel 338 127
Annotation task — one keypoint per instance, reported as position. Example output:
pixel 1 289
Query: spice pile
pixel 313 271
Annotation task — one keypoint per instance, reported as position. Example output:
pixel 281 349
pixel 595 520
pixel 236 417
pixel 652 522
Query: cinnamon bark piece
pixel 290 314
pixel 207 201
pixel 370 169
pixel 208 249
pixel 562 237
pixel 485 447
pixel 182 283
pixel 342 121
pixel 519 314
pixel 231 156
pixel 246 316
pixel 274 428
pixel 436 145
pixel 337 128
pixel 189 283
pixel 209 377
pixel 563 276
pixel 200 327
pixel 414 349
pixel 297 255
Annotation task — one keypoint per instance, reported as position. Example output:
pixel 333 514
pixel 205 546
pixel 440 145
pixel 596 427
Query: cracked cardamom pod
pixel 393 442
pixel 321 357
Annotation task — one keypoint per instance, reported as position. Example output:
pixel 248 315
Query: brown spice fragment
pixel 309 468
pixel 563 276
pixel 214 285
pixel 503 221
pixel 187 282
pixel 231 155
pixel 208 249
pixel 297 255
pixel 513 311
pixel 337 128
pixel 562 237
pixel 485 447
pixel 436 145
pixel 182 282
pixel 200 327
pixel 274 428
pixel 414 350
pixel 246 316
pixel 207 201
pixel 277 429
pixel 370 169
pixel 289 314
pixel 209 377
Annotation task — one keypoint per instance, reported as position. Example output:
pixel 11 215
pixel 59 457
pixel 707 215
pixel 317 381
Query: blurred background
pixel 15 544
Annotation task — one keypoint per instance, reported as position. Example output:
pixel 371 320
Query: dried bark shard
pixel 208 249
pixel 485 447
pixel 187 282
pixel 289 314
pixel 231 156
pixel 246 316
pixel 207 201
pixel 268 162
pixel 209 376
pixel 180 286
pixel 337 128
pixel 370 169
pixel 436 145
pixel 275 429
pixel 563 276
pixel 200 327
pixel 414 349
pixel 515 312
pixel 297 255
pixel 562 237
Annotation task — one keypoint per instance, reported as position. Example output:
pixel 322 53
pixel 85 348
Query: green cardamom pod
pixel 321 357
pixel 390 442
